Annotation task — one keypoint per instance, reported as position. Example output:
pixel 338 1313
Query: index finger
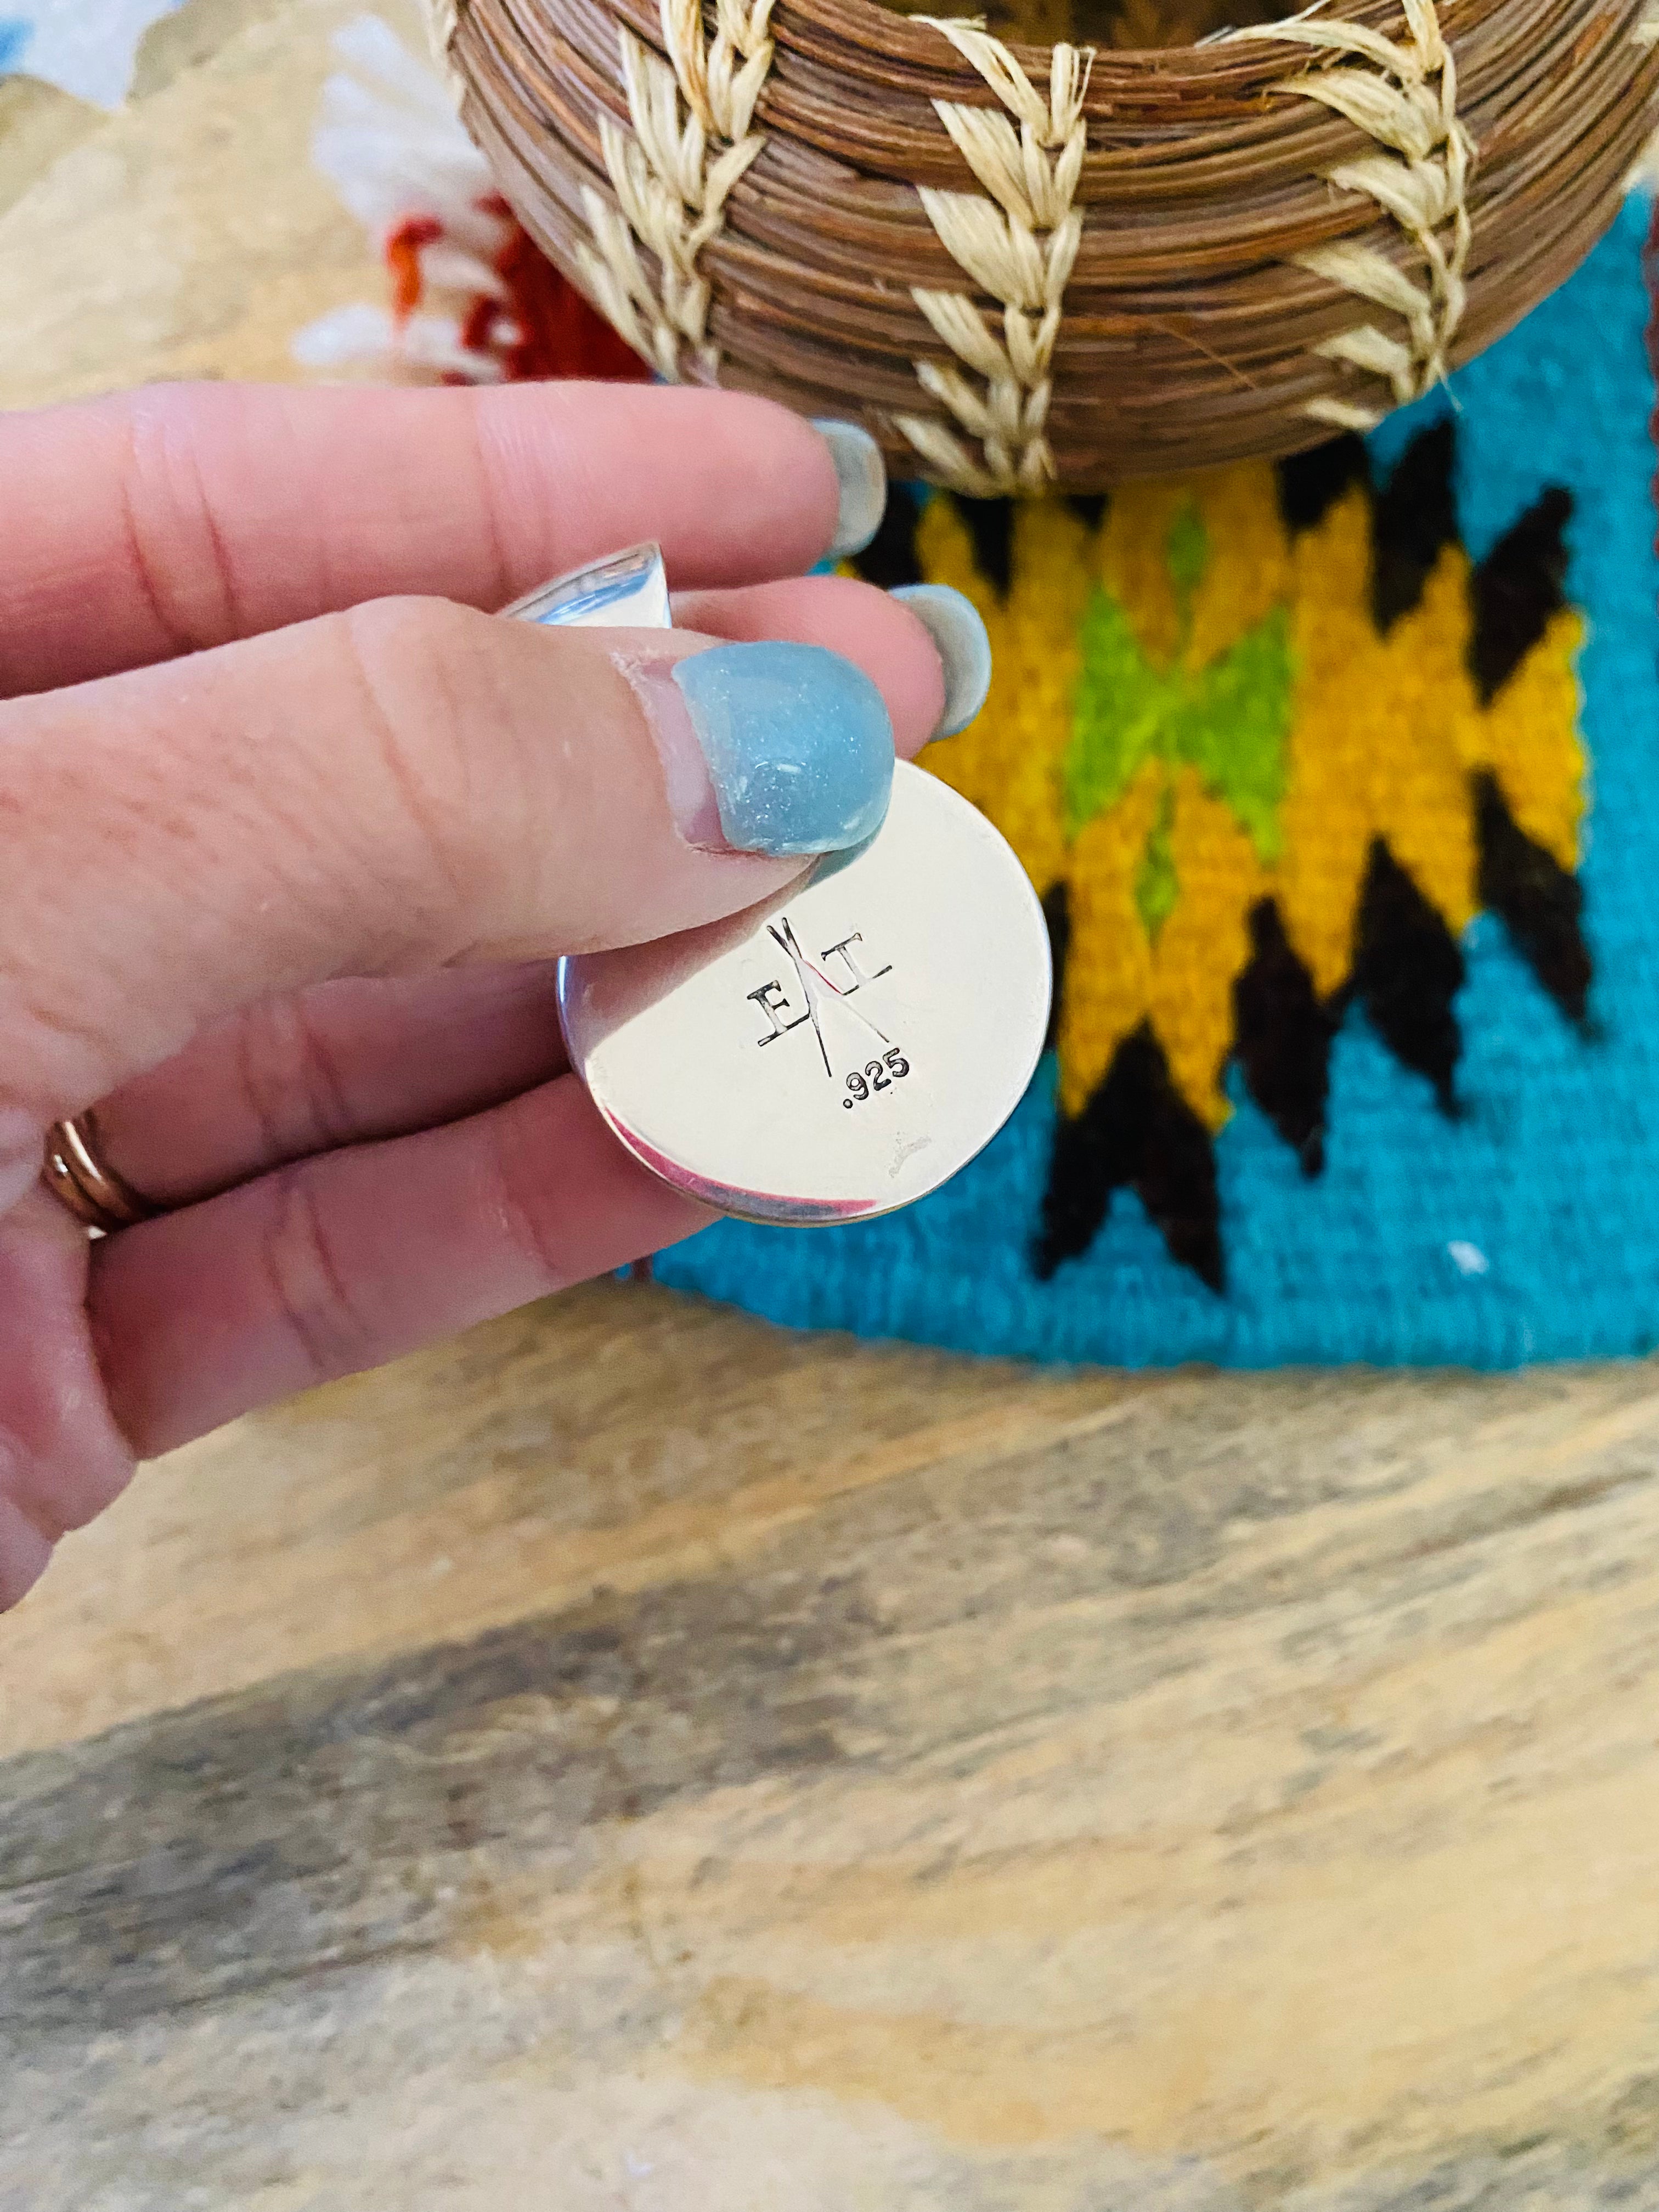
pixel 180 517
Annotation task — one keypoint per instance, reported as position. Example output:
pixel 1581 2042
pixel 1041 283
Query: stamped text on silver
pixel 817 988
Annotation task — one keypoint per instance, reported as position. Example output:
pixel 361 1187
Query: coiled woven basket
pixel 1021 263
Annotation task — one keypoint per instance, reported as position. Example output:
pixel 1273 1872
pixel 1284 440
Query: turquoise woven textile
pixel 1454 1156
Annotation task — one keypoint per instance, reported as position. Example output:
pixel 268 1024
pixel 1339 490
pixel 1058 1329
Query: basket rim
pixel 908 42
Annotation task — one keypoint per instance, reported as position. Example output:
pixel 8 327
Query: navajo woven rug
pixel 1340 781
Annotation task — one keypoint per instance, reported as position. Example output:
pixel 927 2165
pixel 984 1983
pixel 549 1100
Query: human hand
pixel 286 854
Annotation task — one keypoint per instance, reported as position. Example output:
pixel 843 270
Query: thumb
pixel 395 789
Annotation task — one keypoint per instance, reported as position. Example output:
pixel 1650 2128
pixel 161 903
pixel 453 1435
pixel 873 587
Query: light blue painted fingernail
pixel 861 475
pixel 963 646
pixel 798 742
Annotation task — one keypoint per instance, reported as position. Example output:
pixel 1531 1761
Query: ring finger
pixel 342 1064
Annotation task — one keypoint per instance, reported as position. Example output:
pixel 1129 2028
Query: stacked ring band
pixel 90 1188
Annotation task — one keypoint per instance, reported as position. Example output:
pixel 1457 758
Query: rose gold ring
pixel 87 1185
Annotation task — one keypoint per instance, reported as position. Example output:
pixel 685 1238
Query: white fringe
pixel 351 336
pixel 388 141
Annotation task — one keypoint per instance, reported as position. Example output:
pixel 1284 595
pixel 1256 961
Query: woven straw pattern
pixel 1404 96
pixel 1018 244
pixel 671 174
pixel 1018 263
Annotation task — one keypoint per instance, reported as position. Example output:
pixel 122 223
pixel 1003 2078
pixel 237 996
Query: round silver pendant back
pixel 844 1050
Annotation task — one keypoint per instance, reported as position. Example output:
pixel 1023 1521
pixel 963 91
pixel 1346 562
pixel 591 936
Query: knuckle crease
pixel 309 1292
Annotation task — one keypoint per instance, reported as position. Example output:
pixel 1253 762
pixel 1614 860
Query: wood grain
pixel 633 1758
pixel 815 1770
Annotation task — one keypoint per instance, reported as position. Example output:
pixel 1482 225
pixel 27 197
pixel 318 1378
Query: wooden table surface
pixel 630 1757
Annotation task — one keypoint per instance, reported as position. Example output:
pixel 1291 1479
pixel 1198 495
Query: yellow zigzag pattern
pixel 1385 734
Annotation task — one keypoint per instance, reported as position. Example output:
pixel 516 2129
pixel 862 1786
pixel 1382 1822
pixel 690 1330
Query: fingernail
pixel 862 475
pixel 770 748
pixel 963 647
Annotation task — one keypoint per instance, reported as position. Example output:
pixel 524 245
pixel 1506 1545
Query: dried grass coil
pixel 1022 264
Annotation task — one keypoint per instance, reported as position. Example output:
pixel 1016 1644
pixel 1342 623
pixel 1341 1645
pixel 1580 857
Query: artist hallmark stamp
pixel 819 989
pixel 841 1051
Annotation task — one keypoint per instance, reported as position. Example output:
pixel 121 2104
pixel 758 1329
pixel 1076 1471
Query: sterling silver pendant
pixel 841 1050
